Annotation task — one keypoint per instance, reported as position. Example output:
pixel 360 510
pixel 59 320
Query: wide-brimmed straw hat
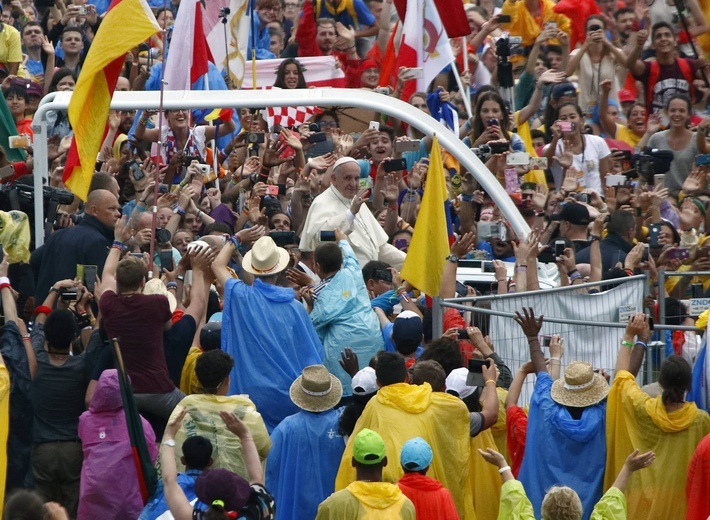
pixel 580 387
pixel 156 286
pixel 316 389
pixel 265 258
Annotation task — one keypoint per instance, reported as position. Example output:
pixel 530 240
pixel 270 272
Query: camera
pixel 224 11
pixel 649 162
pixel 255 137
pixel 68 295
pixel 484 151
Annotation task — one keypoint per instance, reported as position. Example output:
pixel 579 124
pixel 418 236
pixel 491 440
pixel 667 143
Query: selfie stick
pixel 505 73
pixel 224 12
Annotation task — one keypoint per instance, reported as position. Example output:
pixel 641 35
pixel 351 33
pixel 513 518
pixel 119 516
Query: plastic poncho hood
pixel 410 398
pixel 108 393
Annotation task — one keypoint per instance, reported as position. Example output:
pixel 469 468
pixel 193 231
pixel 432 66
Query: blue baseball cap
pixel 416 455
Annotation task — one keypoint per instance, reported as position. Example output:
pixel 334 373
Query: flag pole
pixel 253 45
pixel 215 152
pixel 464 49
pixel 161 144
pixel 465 96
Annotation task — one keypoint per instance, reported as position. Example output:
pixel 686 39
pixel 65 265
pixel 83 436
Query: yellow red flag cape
pixel 426 256
pixel 126 24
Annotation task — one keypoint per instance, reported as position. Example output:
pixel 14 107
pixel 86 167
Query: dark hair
pixel 675 379
pixel 160 10
pixel 19 92
pixel 568 104
pixel 368 270
pixel 60 329
pixel 478 126
pixel 557 49
pixel 212 368
pixel 620 222
pixel 545 60
pixel 674 231
pixel 537 134
pixel 130 272
pixel 682 97
pixel 444 350
pixel 281 72
pixel 660 25
pixel 23 504
pixel 623 10
pixel 60 75
pixel 329 113
pixel 31 24
pixel 352 412
pixel 390 368
pixel 329 256
pixel 594 17
pixel 427 323
pixel 389 131
pixel 197 451
pixel 429 371
pixel 101 181
pixel 72 28
pixel 676 311
pixel 219 227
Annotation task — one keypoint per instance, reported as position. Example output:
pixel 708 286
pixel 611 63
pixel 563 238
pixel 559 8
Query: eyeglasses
pixel 327 124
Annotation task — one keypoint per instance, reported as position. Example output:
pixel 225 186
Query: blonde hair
pixel 561 503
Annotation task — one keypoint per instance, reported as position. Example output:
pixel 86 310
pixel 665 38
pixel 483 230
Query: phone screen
pixel 166 260
pixel 90 277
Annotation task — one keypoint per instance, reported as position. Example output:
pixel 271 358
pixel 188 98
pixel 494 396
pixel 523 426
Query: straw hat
pixel 156 286
pixel 316 389
pixel 265 258
pixel 581 387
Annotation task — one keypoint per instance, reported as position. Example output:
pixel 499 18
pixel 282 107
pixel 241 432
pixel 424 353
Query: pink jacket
pixel 109 484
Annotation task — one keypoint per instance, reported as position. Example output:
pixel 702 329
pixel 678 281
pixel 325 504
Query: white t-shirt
pixel 587 162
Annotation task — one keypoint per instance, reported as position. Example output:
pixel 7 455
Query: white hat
pixel 345 160
pixel 265 258
pixel 456 381
pixel 156 286
pixel 365 382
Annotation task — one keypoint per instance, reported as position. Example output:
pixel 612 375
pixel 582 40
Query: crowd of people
pixel 246 277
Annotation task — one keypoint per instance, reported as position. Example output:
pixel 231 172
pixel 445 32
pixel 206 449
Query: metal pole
pixel 437 318
pixel 325 97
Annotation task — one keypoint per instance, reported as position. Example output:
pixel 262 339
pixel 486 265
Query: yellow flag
pixel 429 247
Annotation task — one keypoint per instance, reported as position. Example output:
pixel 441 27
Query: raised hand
pixel 531 326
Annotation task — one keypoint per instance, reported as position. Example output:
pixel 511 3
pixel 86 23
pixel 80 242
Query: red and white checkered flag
pixel 289 116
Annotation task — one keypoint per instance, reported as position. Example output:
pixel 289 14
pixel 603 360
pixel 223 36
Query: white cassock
pixel 331 210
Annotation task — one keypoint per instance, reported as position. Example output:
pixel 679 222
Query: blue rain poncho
pixel 576 450
pixel 343 317
pixel 303 462
pixel 271 338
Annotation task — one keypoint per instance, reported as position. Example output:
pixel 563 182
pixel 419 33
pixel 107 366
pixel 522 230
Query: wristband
pixel 180 277
pixel 169 442
pixel 592 238
pixel 5 286
pixel 235 241
pixel 466 198
pixel 26 337
pixel 627 344
pixel 43 309
pixel 490 381
pixel 523 268
pixel 575 275
pixel 4 280
pixel 503 469
pixel 117 244
pixel 171 285
pixel 54 290
pixel 642 343
pixel 555 358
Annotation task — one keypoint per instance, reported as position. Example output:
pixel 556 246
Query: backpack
pixel 655 72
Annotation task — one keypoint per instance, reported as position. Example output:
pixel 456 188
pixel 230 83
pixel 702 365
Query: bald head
pixel 103 205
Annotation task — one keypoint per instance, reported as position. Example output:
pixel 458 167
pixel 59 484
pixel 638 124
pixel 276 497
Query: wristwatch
pixel 452 258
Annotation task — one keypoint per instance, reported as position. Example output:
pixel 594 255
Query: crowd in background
pixel 249 276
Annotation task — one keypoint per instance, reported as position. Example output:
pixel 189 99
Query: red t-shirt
pixel 453 319
pixel 138 321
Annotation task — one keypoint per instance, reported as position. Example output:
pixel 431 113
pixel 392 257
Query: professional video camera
pixel 484 151
pixel 504 47
pixel 648 162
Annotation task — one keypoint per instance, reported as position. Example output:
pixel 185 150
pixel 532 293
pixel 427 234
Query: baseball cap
pixel 369 448
pixel 456 382
pixel 407 328
pixel 564 90
pixel 625 96
pixel 416 455
pixel 365 382
pixel 574 213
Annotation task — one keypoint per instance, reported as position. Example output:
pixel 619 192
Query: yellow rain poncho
pixel 400 412
pixel 498 430
pixel 525 25
pixel 367 501
pixel 636 421
pixel 15 236
pixel 485 479
pixel 203 419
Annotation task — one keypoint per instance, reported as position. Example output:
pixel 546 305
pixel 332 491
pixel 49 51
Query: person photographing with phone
pixel 343 205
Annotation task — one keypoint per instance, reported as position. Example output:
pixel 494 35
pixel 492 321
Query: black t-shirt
pixel 260 506
pixel 178 341
pixel 58 394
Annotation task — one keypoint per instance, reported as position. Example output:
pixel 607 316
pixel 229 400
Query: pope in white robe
pixel 341 206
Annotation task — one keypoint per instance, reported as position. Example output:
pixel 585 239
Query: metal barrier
pixel 589 323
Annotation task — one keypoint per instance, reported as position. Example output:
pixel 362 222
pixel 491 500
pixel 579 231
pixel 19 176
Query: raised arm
pixel 122 233
pixel 531 328
pixel 634 462
pixel 557 349
pixel 633 60
pixel 461 246
pixel 633 345
pixel 251 455
pixel 700 135
pixel 490 395
pixel 517 385
pixel 607 123
pixel 178 503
